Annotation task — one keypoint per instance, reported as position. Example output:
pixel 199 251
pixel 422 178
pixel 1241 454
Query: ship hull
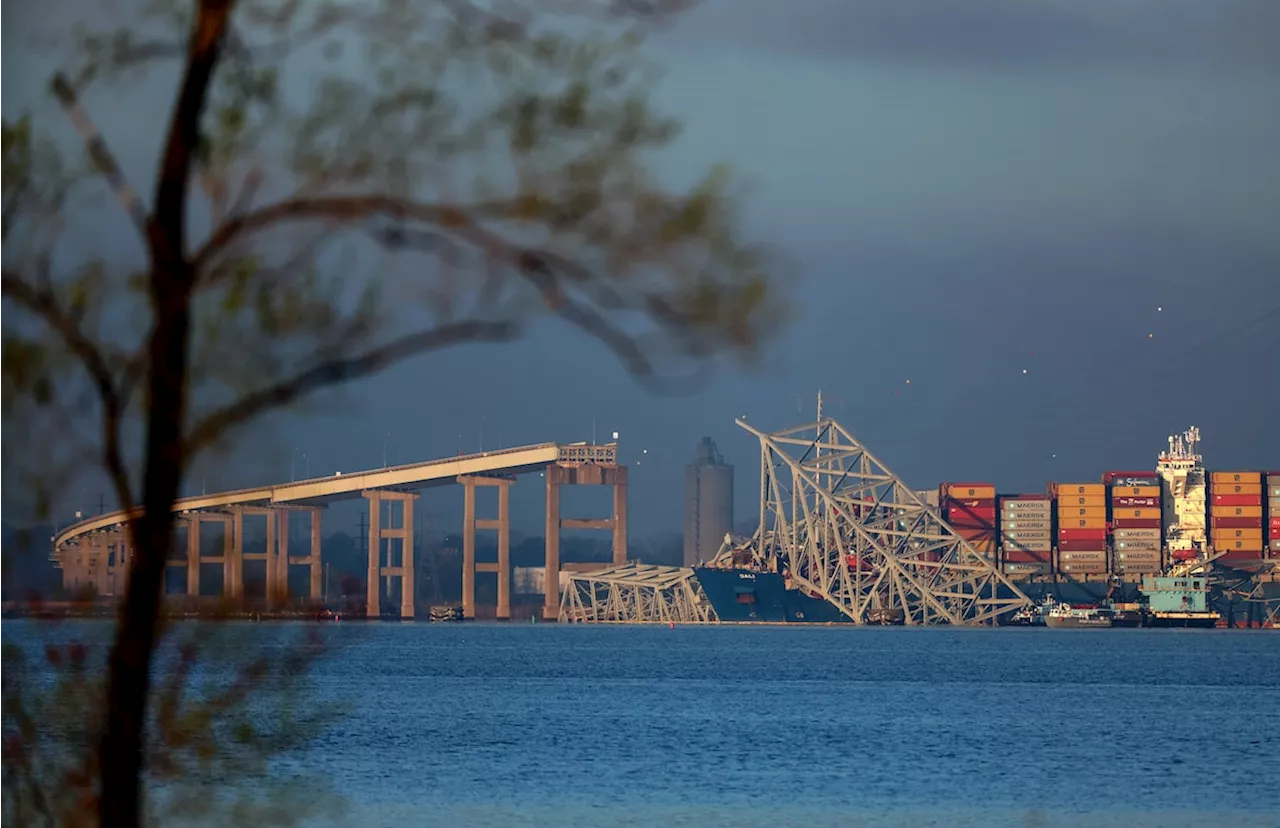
pixel 1077 623
pixel 749 597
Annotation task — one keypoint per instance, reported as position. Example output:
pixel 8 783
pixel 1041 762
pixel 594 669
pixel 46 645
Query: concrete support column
pixel 619 516
pixel 373 588
pixel 193 555
pixel 233 566
pixel 317 568
pixel 408 605
pixel 270 553
pixel 280 595
pixel 504 552
pixel 551 604
pixel 469 548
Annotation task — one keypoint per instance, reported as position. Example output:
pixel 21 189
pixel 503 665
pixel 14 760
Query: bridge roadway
pixel 97 551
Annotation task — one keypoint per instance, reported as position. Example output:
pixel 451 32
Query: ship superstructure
pixel 1185 505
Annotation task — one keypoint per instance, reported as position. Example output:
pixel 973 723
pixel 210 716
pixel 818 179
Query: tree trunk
pixel 122 750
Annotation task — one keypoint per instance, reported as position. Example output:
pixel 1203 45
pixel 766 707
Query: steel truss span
pixel 634 594
pixel 850 532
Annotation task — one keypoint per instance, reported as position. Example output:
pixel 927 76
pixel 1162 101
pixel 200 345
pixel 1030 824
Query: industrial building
pixel 708 503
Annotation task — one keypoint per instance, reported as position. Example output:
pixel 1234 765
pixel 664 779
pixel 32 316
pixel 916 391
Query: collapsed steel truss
pixel 635 593
pixel 849 531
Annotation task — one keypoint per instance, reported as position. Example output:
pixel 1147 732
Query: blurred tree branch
pixel 378 179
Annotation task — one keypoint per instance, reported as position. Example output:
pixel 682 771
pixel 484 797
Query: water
pixel 534 725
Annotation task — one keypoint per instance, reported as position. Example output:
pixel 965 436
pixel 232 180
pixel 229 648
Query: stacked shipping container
pixel 1136 513
pixel 1082 528
pixel 1026 534
pixel 971 511
pixel 1273 504
pixel 1235 515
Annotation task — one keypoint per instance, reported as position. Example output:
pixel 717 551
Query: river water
pixel 548 725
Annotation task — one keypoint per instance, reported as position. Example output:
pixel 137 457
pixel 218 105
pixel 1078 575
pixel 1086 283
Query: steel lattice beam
pixel 849 531
pixel 635 594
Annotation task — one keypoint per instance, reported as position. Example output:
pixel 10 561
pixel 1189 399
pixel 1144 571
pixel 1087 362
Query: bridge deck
pixel 344 486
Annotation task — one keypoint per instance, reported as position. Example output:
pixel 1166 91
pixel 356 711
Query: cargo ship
pixel 747 594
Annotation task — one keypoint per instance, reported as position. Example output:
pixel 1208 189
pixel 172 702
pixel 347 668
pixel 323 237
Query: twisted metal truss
pixel 849 531
pixel 635 594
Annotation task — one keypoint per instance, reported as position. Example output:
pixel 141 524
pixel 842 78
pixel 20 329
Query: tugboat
pixel 1031 615
pixel 1078 616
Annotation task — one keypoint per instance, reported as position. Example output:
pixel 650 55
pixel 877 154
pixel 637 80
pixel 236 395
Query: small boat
pixel 1078 616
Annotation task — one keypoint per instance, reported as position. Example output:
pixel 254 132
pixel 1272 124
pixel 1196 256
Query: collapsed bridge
pixel 839 526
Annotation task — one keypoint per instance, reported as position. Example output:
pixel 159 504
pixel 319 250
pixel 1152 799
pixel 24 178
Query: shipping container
pixel 1238 489
pixel 1234 522
pixel 1061 490
pixel 1082 569
pixel 1082 500
pixel 1137 534
pixel 1031 498
pixel 1237 500
pixel 1027 525
pixel 1242 559
pixel 1034 540
pixel 1136 502
pixel 1074 512
pixel 1135 491
pixel 1098 553
pixel 977 508
pixel 1136 523
pixel 969 490
pixel 1237 533
pixel 1083 523
pixel 1275 522
pixel 1080 545
pixel 1236 477
pixel 1027 555
pixel 1239 544
pixel 1136 514
pixel 1236 511
pixel 1020 567
pixel 1088 533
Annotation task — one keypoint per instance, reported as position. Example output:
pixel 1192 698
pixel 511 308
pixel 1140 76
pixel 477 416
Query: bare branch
pixel 45 306
pixel 342 369
pixel 99 153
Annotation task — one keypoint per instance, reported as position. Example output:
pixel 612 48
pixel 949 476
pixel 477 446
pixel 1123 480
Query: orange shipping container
pixel 1237 511
pixel 1240 545
pixel 1236 477
pixel 1137 514
pixel 1237 533
pixel 1087 489
pixel 1082 512
pixel 1238 489
pixel 1135 491
pixel 1082 500
pixel 962 491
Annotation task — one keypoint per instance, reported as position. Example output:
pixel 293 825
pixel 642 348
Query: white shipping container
pixel 1137 534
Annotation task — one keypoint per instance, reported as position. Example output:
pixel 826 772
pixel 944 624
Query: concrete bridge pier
pixel 585 474
pixel 387 564
pixel 470 523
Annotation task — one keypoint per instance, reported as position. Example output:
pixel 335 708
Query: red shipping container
pixel 975 534
pixel 1275 522
pixel 1083 534
pixel 1022 556
pixel 1137 523
pixel 1139 502
pixel 1237 500
pixel 1087 545
pixel 986 510
pixel 1237 558
pixel 1235 523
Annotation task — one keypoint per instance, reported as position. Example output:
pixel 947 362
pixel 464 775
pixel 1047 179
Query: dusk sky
pixel 1087 191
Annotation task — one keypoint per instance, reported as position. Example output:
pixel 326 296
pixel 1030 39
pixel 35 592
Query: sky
pixel 1058 220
